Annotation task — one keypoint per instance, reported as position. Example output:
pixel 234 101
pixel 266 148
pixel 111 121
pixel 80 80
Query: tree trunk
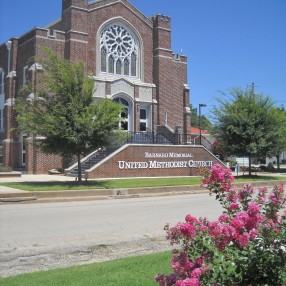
pixel 78 168
pixel 249 165
pixel 278 162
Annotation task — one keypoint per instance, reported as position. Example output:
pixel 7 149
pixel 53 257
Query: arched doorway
pixel 124 122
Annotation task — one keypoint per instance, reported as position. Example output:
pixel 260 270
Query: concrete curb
pixel 103 194
pixel 96 194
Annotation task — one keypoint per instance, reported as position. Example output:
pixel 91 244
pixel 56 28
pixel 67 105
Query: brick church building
pixel 129 56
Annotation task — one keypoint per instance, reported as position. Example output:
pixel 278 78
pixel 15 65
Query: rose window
pixel 119 51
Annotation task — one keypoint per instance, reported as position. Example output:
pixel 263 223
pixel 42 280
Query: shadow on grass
pixel 50 186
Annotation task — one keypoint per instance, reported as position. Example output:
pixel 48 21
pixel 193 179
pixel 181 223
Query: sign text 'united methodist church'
pixel 165 164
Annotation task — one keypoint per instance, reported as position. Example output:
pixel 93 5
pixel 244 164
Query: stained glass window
pixel 120 46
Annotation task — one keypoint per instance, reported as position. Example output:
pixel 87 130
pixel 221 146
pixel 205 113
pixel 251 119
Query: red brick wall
pixel 136 153
pixel 40 163
pixel 76 38
pixel 170 75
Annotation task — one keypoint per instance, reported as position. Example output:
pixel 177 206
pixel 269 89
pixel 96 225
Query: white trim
pixel 78 41
pixel 164 29
pixel 163 49
pixel 112 78
pixel 76 8
pixel 77 32
pixel 165 57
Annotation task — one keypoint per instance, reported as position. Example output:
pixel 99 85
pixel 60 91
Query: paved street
pixel 98 221
pixel 29 230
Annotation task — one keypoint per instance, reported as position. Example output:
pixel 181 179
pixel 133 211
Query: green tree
pixel 279 120
pixel 195 122
pixel 64 113
pixel 244 124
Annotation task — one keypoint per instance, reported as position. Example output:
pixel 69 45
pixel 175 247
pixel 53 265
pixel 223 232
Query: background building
pixel 129 56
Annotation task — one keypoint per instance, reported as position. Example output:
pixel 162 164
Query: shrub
pixel 245 246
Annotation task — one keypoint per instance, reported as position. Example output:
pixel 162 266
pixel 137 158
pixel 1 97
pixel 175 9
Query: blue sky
pixel 229 43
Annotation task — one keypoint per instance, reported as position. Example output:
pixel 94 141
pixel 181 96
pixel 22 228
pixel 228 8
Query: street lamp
pixel 200 105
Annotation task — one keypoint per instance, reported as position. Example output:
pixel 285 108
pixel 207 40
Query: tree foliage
pixel 279 120
pixel 63 113
pixel 244 124
pixel 195 121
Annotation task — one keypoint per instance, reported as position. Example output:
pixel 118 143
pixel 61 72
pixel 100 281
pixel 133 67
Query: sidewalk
pixel 31 178
pixel 13 195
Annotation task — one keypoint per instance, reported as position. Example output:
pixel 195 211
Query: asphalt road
pixel 34 230
pixel 99 221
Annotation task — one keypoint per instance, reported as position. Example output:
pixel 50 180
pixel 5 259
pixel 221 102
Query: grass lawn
pixel 125 183
pixel 104 184
pixel 132 271
pixel 255 178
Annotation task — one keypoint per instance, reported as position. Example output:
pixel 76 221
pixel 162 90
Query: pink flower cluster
pixel 186 272
pixel 189 229
pixel 246 218
pixel 220 178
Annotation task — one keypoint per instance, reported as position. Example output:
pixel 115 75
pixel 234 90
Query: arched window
pixel 126 67
pixel 118 66
pixel 133 64
pixel 120 44
pixel 103 59
pixel 111 64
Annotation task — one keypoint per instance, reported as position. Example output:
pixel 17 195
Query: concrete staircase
pixel 134 138
pixel 89 161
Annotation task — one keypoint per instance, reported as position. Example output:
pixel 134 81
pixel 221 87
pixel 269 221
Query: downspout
pixel 9 45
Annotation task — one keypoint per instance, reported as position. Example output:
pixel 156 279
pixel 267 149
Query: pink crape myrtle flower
pixel 188 282
pixel 243 240
pixel 245 192
pixel 219 176
pixel 232 196
pixel 224 218
pixel 237 224
pixel 188 230
pixel 181 265
pixel 234 206
pixel 253 234
pixel 196 273
pixel 253 209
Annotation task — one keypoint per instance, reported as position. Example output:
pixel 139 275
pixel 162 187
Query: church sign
pixel 165 164
pixel 154 161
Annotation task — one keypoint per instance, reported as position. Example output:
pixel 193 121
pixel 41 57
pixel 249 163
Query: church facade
pixel 129 57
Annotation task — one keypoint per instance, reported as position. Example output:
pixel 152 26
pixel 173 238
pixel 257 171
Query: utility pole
pixel 200 105
pixel 252 88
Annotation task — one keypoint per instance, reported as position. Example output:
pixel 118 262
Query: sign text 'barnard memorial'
pixel 168 163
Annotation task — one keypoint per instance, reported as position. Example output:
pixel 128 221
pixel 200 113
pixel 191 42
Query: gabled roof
pixel 196 131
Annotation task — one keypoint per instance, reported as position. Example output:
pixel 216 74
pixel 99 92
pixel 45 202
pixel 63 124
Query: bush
pixel 245 246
